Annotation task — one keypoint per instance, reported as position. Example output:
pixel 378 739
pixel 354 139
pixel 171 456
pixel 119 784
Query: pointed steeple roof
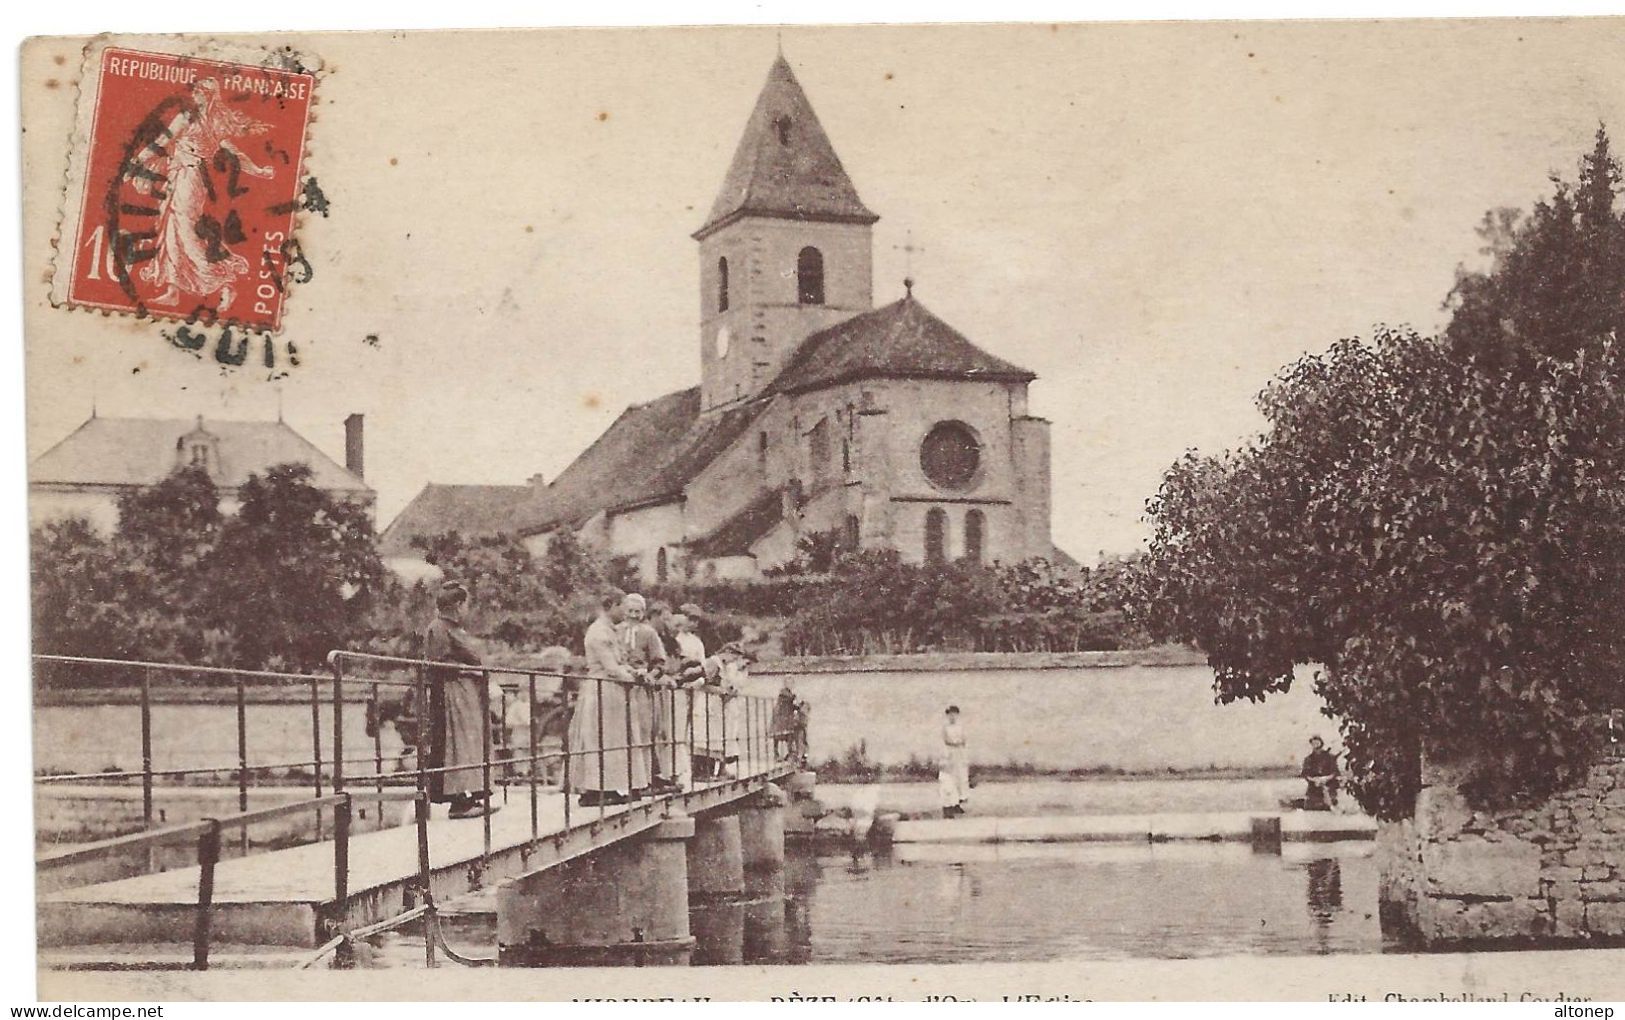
pixel 785 166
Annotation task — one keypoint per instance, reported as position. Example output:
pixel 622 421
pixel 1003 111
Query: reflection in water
pixel 1325 899
pixel 1077 901
pixel 1014 902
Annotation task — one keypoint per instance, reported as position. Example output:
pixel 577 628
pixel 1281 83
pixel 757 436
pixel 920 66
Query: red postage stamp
pixel 183 192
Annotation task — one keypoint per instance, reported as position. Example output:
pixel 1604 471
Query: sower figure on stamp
pixel 609 771
pixel 186 260
pixel 456 717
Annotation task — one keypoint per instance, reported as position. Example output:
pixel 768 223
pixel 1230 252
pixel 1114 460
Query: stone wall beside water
pixel 1140 712
pixel 1555 871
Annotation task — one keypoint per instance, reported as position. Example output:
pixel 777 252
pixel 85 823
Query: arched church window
pixel 722 284
pixel 936 535
pixel 761 450
pixel 781 127
pixel 661 565
pixel 950 455
pixel 852 535
pixel 975 526
pixel 810 276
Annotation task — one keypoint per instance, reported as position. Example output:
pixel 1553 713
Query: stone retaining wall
pixel 1551 872
pixel 1162 655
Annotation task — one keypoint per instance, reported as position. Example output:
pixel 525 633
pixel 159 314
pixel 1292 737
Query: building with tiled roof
pixel 438 509
pixel 85 474
pixel 815 411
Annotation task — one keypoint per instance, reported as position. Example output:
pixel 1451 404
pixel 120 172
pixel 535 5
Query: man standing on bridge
pixel 455 745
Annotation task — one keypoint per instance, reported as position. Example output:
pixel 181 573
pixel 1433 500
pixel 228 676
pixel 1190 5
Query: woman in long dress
pixel 602 767
pixel 646 655
pixel 456 742
pixel 953 778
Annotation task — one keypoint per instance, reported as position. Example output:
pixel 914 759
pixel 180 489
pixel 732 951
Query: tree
pixel 512 598
pixel 294 572
pixel 1557 282
pixel 166 535
pixel 75 585
pixel 1438 523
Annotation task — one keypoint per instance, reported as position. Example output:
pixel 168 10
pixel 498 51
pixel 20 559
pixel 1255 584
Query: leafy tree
pixel 512 598
pixel 294 572
pixel 1557 280
pixel 1438 523
pixel 75 585
pixel 520 601
pixel 817 552
pixel 166 535
pixel 569 566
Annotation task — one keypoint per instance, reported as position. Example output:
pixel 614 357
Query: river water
pixel 1013 902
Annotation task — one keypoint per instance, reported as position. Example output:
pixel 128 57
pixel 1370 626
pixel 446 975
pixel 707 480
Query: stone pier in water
pixel 629 903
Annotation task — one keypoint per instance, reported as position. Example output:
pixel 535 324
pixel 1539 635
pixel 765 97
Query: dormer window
pixel 781 127
pixel 199 448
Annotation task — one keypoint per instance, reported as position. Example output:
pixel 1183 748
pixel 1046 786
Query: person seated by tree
pixel 1321 774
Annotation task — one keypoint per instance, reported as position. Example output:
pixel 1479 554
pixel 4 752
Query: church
pixel 816 410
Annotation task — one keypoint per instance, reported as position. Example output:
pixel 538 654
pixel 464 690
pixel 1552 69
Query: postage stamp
pixel 185 181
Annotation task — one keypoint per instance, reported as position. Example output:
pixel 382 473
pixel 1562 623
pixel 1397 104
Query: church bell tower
pixel 785 251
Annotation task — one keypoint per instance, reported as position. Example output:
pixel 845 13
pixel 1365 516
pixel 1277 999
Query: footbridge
pixel 364 850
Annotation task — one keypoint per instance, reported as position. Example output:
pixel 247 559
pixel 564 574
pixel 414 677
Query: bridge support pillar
pixel 716 860
pixel 624 905
pixel 761 829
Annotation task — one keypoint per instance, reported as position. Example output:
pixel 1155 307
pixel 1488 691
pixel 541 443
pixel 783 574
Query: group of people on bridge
pixel 656 711
pixel 668 715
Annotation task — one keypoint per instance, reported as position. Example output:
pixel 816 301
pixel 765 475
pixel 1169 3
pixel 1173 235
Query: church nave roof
pixel 900 340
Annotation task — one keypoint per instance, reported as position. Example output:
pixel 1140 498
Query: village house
pixel 816 411
pixel 85 474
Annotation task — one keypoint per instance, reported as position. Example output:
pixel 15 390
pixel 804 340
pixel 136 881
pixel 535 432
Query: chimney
pixel 352 445
pixel 536 481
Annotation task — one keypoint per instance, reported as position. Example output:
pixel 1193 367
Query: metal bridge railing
pixel 685 730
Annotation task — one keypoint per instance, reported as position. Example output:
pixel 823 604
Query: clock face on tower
pixel 724 337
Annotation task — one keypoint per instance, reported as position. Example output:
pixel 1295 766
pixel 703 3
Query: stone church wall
pixel 1555 871
pixel 765 316
pixel 913 407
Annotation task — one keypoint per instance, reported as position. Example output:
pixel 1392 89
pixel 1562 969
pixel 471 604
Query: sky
pixel 1154 218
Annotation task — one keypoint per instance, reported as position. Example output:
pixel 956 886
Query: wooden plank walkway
pixel 285 897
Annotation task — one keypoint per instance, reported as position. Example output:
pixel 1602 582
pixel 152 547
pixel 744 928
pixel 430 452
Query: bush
pixel 874 604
